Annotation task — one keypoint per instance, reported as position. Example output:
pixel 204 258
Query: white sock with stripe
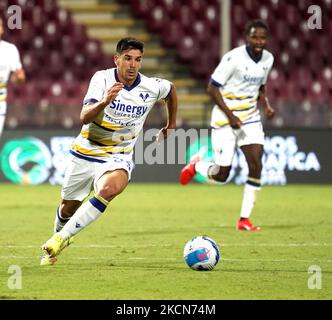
pixel 88 212
pixel 59 221
pixel 249 197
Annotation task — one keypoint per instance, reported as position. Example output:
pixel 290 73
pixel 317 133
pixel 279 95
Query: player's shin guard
pixel 249 196
pixel 86 214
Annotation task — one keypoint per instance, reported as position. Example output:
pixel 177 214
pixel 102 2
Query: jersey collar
pixel 135 83
pixel 252 56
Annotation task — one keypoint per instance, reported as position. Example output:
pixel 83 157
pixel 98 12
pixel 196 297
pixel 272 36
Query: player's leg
pixel 223 144
pixel 76 187
pixel 111 179
pixel 253 153
pixel 64 212
pixel 107 188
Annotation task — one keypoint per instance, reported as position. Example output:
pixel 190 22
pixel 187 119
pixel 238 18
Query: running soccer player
pixel 237 86
pixel 10 69
pixel 115 107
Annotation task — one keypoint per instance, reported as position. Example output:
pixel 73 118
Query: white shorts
pixel 81 175
pixel 226 140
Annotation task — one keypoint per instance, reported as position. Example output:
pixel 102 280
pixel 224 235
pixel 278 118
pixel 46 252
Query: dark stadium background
pixel 63 42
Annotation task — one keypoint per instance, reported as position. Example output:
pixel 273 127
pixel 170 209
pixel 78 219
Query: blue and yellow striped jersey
pixel 239 79
pixel 116 129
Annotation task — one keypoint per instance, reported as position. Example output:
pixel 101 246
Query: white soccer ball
pixel 201 253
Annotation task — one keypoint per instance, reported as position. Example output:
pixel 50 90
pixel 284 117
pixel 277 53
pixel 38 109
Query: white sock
pixel 249 197
pixel 86 214
pixel 59 221
pixel 202 167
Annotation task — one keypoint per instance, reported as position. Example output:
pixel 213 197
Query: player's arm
pixel 264 102
pixel 18 76
pixel 91 111
pixel 172 106
pixel 216 96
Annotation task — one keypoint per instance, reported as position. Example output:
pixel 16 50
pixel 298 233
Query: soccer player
pixel 115 107
pixel 237 86
pixel 10 68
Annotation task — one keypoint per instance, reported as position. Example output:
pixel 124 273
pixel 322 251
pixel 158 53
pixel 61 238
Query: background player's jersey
pixel 239 78
pixel 9 62
pixel 116 129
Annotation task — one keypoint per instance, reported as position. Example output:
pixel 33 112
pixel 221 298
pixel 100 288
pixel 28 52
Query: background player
pixel 115 108
pixel 236 85
pixel 10 68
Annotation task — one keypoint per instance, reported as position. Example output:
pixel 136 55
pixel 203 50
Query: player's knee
pixel 110 191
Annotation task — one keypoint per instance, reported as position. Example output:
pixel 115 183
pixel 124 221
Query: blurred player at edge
pixel 237 86
pixel 10 68
pixel 114 110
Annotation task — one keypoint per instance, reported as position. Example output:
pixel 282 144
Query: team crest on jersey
pixel 144 96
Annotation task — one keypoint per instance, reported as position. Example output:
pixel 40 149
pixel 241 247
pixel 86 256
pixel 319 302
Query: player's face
pixel 257 39
pixel 128 64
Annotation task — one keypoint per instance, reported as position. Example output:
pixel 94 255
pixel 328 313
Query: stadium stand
pixel 62 43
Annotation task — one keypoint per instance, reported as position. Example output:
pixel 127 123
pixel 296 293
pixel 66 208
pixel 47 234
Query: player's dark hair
pixel 128 44
pixel 255 24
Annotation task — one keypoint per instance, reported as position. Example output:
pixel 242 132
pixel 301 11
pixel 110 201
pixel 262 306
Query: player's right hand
pixel 235 122
pixel 112 93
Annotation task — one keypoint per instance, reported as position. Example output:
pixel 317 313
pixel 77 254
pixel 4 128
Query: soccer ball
pixel 201 253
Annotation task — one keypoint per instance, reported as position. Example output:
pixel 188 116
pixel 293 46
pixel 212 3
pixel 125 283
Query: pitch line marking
pixel 175 259
pixel 310 244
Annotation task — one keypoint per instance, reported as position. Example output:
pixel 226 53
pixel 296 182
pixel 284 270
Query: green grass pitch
pixel 135 250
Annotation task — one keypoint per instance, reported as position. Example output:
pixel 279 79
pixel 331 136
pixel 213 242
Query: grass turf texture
pixel 135 250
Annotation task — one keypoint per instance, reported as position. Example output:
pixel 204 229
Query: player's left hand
pixel 164 133
pixel 269 112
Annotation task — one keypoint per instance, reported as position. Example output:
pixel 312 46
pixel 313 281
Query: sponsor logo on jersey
pixel 251 79
pixel 117 105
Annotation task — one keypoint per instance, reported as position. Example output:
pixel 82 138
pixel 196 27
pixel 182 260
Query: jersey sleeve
pixel 164 87
pixel 96 88
pixel 268 71
pixel 15 63
pixel 224 70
